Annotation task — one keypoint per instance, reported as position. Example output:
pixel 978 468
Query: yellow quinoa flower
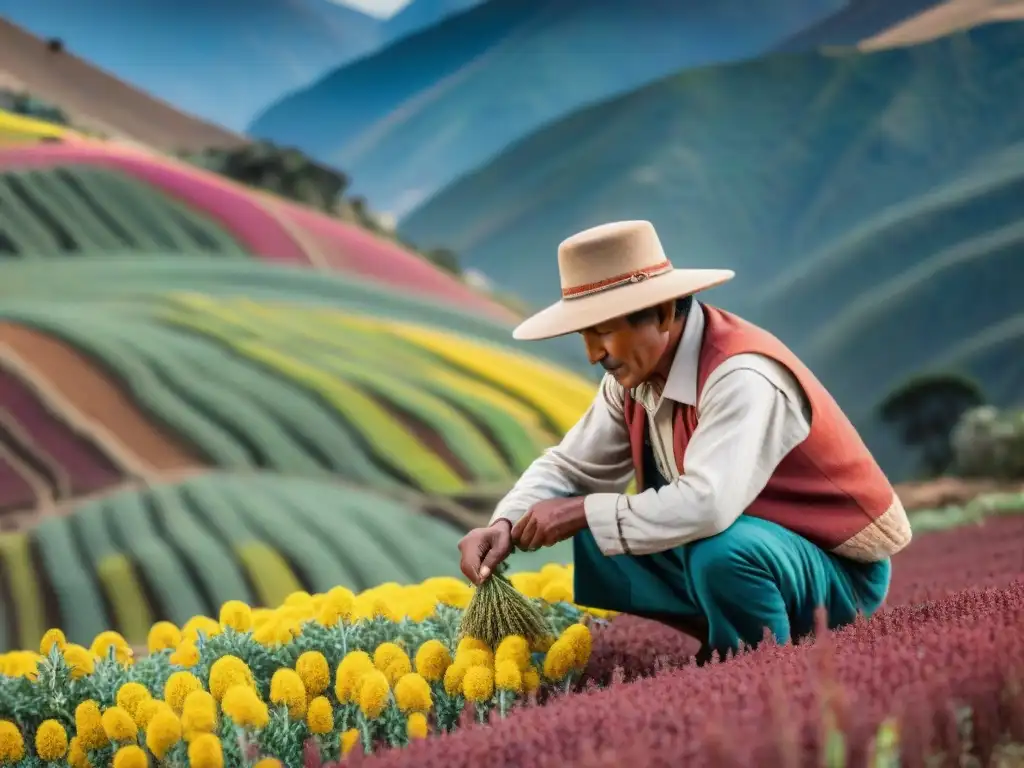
pixel 76 754
pixel 386 654
pixel 12 743
pixel 508 676
pixel 432 659
pixel 475 657
pixel 397 669
pixel 131 756
pixel 227 672
pixel 557 592
pixel 163 636
pixel 352 667
pixel 130 696
pixel 89 725
pixel 348 740
pixel 179 686
pixel 559 660
pixel 513 648
pixel 209 627
pixel 80 660
pixel 22 664
pixel 315 672
pixel 163 732
pixel 577 636
pixel 198 715
pixel 118 725
pixel 243 705
pixel 373 693
pixel 453 677
pixel 268 762
pixel 320 715
pixel 186 654
pixel 236 615
pixel 478 684
pixel 51 741
pixel 109 640
pixel 413 694
pixel 416 726
pixel 51 638
pixel 286 689
pixel 298 599
pixel 471 644
pixel 205 751
pixel 147 710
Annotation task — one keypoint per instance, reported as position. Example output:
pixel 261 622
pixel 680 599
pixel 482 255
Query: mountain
pixel 869 202
pixel 220 60
pixel 413 116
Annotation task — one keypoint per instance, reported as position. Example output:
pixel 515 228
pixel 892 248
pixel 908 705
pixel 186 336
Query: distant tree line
pixel 291 174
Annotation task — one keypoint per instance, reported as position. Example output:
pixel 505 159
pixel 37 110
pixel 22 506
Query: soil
pixel 98 101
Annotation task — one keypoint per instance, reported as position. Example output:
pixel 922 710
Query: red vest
pixel 829 488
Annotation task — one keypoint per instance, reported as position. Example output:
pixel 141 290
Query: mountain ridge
pixel 451 96
pixel 759 165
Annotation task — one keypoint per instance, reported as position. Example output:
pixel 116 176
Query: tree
pixel 924 411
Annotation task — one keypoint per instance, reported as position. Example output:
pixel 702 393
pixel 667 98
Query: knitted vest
pixel 828 489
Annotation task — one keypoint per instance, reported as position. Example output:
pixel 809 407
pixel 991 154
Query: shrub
pixel 989 443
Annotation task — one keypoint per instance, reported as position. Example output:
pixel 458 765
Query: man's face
pixel 629 352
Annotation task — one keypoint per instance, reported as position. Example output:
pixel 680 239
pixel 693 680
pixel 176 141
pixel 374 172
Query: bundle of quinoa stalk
pixel 497 610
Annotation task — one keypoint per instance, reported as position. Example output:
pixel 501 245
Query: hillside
pixel 97 100
pixel 860 196
pixel 90 198
pixel 447 99
pixel 221 61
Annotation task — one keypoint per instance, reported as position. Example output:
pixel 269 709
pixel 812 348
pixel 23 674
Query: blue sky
pixel 381 8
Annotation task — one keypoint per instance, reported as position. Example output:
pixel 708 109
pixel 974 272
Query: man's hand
pixel 549 522
pixel 483 549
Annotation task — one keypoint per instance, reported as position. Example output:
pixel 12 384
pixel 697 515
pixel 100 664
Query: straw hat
pixel 610 271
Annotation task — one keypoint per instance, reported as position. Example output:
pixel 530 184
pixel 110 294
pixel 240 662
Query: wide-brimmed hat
pixel 610 271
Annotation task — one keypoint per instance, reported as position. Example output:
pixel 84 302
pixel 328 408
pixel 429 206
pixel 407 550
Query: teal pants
pixel 728 588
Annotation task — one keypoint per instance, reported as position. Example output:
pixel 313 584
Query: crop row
pixel 313 392
pixel 178 550
pixel 83 211
pixel 111 284
pixel 184 209
pixel 929 676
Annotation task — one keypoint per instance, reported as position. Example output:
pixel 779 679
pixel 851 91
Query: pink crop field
pixel 935 676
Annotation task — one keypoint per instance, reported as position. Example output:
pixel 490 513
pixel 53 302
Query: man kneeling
pixel 757 501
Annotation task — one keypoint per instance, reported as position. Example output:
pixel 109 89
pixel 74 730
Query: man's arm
pixel 594 456
pixel 750 416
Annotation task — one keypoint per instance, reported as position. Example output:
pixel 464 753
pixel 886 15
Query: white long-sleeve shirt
pixel 752 413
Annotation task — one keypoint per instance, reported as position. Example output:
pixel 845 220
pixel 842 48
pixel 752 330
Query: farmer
pixel 756 500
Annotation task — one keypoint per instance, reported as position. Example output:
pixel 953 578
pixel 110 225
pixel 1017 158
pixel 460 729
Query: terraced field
pixel 84 197
pixel 164 450
pixel 208 393
pixel 182 549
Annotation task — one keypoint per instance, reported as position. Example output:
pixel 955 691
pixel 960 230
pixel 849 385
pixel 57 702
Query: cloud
pixel 380 8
